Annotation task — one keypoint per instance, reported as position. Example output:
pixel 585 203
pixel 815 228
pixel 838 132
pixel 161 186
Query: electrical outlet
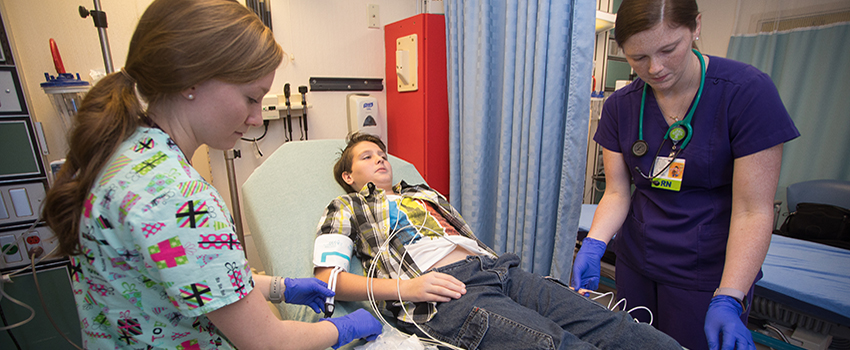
pixel 374 16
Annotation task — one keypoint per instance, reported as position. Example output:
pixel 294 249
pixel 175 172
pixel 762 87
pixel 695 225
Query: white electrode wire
pixel 15 243
pixel 602 295
pixel 370 289
pixel 16 301
pixel 44 305
pixel 370 284
pixel 38 289
pixel 618 303
pixel 773 328
pixel 3 253
pixel 639 308
pixel 432 339
pixel 612 308
pixel 334 277
pixel 407 313
pixel 383 248
pixel 10 274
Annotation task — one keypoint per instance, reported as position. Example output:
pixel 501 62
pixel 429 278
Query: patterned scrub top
pixel 159 252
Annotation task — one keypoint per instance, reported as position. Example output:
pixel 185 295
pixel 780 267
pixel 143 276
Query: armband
pixel 330 250
pixel 276 290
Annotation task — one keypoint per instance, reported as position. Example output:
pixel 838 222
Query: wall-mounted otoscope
pixel 303 90
pixel 288 109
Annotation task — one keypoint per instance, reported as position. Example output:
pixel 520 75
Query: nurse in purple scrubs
pixel 700 137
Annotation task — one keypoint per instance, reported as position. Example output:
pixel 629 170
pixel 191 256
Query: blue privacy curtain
pixel 519 101
pixel 811 71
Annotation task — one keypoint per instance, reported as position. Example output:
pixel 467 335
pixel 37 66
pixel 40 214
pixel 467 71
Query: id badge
pixel 671 177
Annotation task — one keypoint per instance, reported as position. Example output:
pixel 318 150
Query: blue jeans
pixel 506 307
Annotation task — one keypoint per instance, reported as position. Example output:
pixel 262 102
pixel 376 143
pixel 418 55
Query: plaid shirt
pixel 364 217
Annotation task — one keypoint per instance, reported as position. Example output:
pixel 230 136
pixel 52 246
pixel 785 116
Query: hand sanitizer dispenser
pixel 364 115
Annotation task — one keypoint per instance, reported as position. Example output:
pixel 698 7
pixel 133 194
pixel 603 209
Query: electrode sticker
pixel 332 250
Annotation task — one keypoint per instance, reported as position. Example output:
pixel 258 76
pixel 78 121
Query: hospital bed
pixel 805 290
pixel 283 200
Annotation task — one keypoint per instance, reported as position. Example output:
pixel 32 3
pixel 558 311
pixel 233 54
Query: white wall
pixel 718 22
pixel 723 18
pixel 327 38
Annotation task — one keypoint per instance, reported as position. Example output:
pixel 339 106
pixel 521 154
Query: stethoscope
pixel 679 131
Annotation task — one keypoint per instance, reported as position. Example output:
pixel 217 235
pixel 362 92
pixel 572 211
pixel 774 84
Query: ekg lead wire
pixel 329 301
pixel 370 284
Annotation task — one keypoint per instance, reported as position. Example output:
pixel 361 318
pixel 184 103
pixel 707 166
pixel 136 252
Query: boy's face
pixel 369 164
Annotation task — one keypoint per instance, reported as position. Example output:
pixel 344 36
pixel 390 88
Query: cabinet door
pixel 10 92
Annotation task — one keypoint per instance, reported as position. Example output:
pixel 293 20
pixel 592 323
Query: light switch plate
pixel 374 16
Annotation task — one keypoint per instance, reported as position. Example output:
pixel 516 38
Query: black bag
pixel 822 223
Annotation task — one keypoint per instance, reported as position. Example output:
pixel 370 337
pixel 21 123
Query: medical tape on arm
pixel 331 250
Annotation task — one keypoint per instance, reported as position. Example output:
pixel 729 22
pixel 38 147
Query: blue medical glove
pixel 723 327
pixel 356 325
pixel 306 291
pixel 586 266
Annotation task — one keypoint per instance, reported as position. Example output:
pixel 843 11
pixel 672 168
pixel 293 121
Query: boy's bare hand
pixel 432 286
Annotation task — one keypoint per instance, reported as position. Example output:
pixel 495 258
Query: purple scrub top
pixel 679 238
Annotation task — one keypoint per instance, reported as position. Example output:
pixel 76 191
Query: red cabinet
pixel 418 120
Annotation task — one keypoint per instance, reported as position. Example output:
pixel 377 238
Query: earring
pixel 697 38
pixel 191 97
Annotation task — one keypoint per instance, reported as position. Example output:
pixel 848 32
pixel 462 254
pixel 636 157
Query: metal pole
pixel 99 18
pixel 104 40
pixel 229 155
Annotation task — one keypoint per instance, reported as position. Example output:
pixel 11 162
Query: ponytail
pixel 108 115
pixel 177 44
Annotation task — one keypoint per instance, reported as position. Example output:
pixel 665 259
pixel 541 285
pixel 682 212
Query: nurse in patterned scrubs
pixel 156 262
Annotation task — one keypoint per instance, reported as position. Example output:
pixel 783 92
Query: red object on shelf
pixel 57 59
pixel 418 121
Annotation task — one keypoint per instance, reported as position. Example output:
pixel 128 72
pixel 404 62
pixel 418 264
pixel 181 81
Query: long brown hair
pixel 635 16
pixel 176 44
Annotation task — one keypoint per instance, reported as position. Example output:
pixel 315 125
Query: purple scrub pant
pixel 680 313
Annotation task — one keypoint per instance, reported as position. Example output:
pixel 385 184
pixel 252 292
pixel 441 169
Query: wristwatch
pixel 739 296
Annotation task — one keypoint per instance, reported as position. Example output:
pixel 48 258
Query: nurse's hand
pixel 356 325
pixel 723 326
pixel 306 291
pixel 586 265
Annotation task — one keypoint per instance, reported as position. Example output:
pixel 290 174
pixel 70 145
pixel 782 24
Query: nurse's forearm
pixel 609 216
pixel 749 238
pixel 753 189
pixel 614 206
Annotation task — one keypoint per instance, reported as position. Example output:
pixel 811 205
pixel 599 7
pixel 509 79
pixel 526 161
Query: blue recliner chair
pixel 283 201
pixel 822 224
pixel 833 192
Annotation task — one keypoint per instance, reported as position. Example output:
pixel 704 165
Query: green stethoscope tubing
pixel 684 123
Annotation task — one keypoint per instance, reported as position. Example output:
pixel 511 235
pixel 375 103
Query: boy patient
pixel 426 263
